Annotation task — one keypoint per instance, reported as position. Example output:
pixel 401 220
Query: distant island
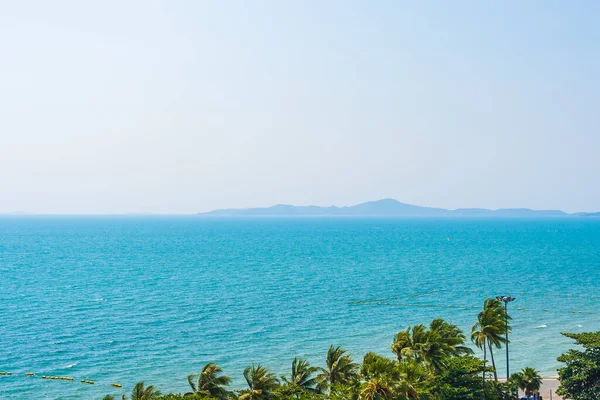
pixel 386 208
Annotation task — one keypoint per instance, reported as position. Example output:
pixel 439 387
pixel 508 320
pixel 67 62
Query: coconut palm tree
pixel 210 382
pixel 374 365
pixel 479 339
pixel 491 328
pixel 410 343
pixel 339 369
pixel 431 346
pixel 141 392
pixel 400 343
pixel 260 383
pixel 414 380
pixel 301 376
pixel 377 389
pixel 528 379
pixel 444 340
pixel 380 375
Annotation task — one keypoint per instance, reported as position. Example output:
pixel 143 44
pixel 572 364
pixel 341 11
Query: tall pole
pixel 506 300
pixel 506 321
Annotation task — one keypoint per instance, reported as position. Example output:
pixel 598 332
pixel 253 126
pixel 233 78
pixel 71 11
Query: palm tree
pixel 444 340
pixel 528 379
pixel 260 383
pixel 432 346
pixel 340 368
pixel 491 328
pixel 479 339
pixel 301 376
pixel 380 375
pixel 210 382
pixel 139 392
pixel 375 365
pixel 377 389
pixel 414 379
pixel 400 343
pixel 410 343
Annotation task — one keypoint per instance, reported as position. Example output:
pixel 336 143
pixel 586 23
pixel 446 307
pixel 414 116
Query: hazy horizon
pixel 186 107
pixel 21 212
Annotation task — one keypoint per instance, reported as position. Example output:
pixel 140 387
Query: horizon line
pixel 138 213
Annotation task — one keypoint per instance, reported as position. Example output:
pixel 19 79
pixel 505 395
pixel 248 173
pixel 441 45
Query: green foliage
pixel 499 390
pixel 210 382
pixel 141 392
pixel 301 378
pixel 286 392
pixel 415 380
pixel 260 382
pixel 339 369
pixel 589 340
pixel 462 380
pixel 580 377
pixel 345 391
pixel 189 396
pixel 380 376
pixel 431 346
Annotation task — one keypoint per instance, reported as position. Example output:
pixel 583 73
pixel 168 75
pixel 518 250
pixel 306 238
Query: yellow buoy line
pixel 487 292
pixel 381 303
pixel 61 378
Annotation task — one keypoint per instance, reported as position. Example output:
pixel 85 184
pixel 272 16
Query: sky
pixel 187 106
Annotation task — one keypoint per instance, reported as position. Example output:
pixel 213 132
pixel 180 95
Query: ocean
pixel 122 299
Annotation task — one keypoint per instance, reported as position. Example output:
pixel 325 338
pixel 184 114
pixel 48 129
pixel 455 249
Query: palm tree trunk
pixel 484 361
pixel 493 362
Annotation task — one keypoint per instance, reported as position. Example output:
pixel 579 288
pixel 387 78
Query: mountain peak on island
pixel 380 208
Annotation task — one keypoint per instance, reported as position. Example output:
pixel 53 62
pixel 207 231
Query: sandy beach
pixel 548 389
pixel 550 385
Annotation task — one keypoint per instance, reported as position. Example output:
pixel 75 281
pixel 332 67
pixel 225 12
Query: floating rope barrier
pixel 60 378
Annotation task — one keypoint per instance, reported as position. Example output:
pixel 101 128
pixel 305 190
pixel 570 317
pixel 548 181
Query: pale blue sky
pixel 186 106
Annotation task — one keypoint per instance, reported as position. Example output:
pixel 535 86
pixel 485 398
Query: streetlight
pixel 506 300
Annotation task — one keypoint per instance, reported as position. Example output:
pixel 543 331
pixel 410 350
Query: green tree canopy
pixel 580 377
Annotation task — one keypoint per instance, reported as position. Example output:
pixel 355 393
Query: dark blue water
pixel 123 299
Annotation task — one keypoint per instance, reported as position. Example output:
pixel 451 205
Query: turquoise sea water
pixel 123 299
